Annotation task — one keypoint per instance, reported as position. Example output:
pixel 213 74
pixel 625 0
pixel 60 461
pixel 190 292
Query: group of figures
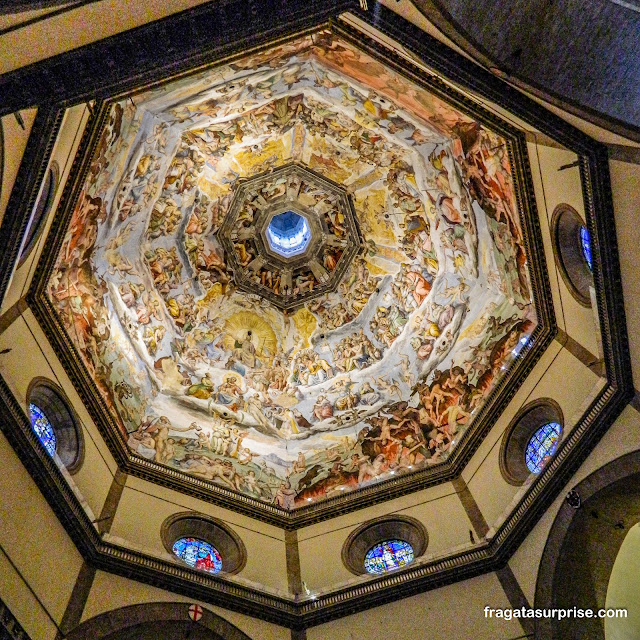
pixel 381 373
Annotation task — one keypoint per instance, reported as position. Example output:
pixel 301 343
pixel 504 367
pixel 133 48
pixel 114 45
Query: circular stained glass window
pixel 198 554
pixel 573 252
pixel 288 234
pixel 542 446
pixel 42 428
pixel 585 245
pixel 388 555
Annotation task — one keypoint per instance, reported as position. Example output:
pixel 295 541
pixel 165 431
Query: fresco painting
pixel 382 374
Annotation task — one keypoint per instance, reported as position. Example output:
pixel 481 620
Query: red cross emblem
pixel 195 612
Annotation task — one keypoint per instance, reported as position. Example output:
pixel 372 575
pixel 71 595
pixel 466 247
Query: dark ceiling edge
pixel 603 412
pixel 460 70
pixel 436 13
pixel 190 38
pixel 365 497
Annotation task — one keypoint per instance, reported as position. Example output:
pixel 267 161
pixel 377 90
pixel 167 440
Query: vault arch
pixel 158 620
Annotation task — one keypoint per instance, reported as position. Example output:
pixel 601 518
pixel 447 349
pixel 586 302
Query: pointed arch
pixel 141 618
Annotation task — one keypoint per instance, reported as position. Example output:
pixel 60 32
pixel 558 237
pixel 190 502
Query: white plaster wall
pixel 554 187
pixel 624 590
pixel 24 603
pixel 34 540
pixel 454 612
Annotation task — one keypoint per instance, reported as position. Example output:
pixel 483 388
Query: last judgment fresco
pixel 295 352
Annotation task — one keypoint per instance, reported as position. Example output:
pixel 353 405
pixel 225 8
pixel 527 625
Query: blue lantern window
pixel 288 234
pixel 198 554
pixel 42 428
pixel 387 556
pixel 542 446
pixel 585 245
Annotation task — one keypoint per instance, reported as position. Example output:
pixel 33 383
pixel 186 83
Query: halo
pixel 262 335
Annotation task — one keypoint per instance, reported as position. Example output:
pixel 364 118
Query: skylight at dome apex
pixel 288 233
pixel 383 371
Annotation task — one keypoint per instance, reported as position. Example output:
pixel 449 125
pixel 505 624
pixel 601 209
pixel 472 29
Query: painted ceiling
pixel 293 378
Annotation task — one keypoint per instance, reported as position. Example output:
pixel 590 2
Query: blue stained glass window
pixel 388 555
pixel 542 446
pixel 43 428
pixel 288 234
pixel 198 554
pixel 585 244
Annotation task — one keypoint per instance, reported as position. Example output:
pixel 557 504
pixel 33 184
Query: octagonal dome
pixel 259 230
pixel 288 379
